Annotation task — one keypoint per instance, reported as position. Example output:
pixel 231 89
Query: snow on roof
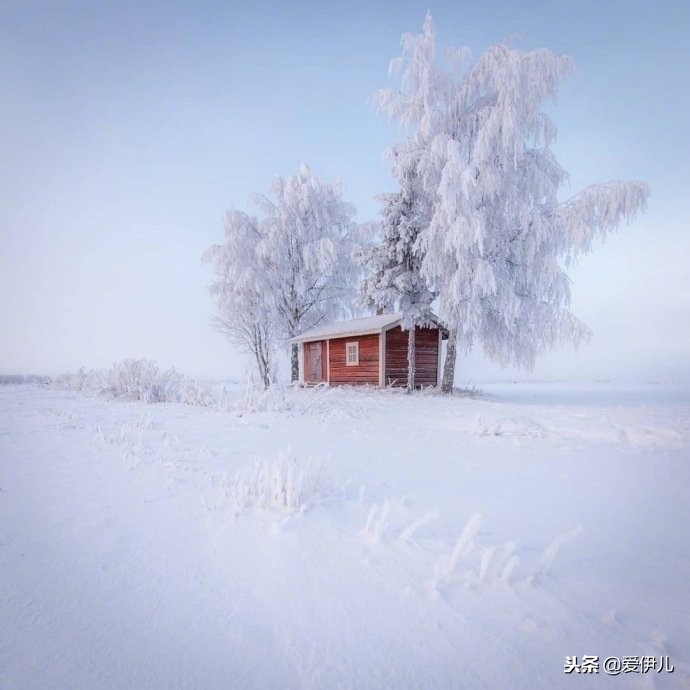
pixel 371 324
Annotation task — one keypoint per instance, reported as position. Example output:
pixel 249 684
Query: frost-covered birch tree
pixel 500 238
pixel 394 264
pixel 240 288
pixel 308 244
pixel 288 270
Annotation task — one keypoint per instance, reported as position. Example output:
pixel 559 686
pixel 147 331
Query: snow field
pixel 342 538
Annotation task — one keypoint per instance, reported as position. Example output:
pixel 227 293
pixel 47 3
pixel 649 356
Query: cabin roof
pixel 342 329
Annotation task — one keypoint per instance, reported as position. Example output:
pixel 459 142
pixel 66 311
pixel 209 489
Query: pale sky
pixel 127 129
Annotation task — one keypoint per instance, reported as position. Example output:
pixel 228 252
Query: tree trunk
pixel 263 365
pixel 265 372
pixel 449 366
pixel 294 363
pixel 411 363
pixel 262 352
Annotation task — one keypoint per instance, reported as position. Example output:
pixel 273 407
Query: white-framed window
pixel 352 354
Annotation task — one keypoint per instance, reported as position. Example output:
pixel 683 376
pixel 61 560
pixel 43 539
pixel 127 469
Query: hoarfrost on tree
pixel 309 241
pixel 499 239
pixel 395 280
pixel 240 289
pixel 292 268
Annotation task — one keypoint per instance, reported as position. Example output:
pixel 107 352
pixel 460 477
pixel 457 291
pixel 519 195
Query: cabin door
pixel 315 369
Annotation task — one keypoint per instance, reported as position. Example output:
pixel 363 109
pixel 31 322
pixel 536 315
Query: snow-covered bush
pixel 138 379
pixel 279 485
pixel 87 381
pixel 321 400
pixel 256 398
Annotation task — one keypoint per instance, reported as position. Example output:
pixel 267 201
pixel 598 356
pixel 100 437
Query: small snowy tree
pixel 395 280
pixel 287 271
pixel 307 244
pixel 241 289
pixel 499 240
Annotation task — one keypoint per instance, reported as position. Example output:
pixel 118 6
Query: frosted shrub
pixel 138 379
pixel 278 485
pixel 91 381
pixel 192 393
pixel 322 401
pixel 256 398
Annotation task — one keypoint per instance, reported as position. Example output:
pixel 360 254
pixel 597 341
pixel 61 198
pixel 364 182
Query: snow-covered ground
pixel 337 538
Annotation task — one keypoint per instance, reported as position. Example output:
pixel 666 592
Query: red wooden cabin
pixel 371 350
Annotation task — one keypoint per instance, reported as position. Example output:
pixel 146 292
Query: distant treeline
pixel 8 379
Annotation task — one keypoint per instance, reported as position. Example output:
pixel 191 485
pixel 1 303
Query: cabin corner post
pixel 439 358
pixel 301 362
pixel 382 358
pixel 328 362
